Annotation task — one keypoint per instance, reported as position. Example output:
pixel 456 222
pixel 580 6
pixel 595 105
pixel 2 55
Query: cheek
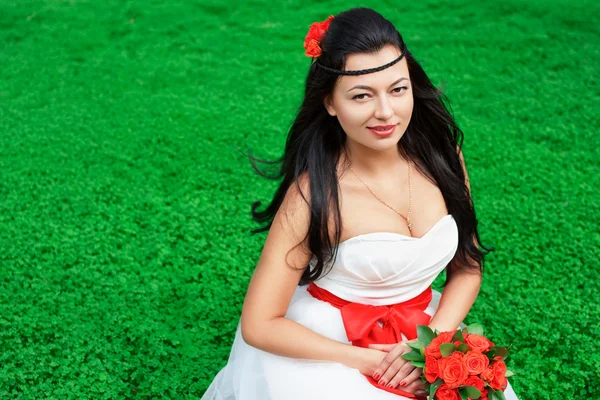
pixel 404 106
pixel 354 116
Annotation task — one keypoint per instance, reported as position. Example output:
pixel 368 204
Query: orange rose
pixel 431 369
pixel 312 48
pixel 478 343
pixel 476 362
pixel 446 337
pixel 453 371
pixel 313 37
pixel 433 349
pixel 444 392
pixel 488 374
pixel 499 380
pixel 476 383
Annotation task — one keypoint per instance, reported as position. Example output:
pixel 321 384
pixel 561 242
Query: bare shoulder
pixel 297 197
pixel 293 217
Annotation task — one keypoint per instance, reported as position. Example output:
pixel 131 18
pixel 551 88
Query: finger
pixel 401 377
pixel 392 371
pixel 388 360
pixel 397 351
pixel 391 357
pixel 414 387
pixel 383 347
pixel 405 369
pixel 412 377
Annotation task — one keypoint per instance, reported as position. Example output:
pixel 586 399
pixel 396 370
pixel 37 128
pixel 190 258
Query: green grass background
pixel 124 222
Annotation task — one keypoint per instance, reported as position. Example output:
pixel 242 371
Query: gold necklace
pixel 407 218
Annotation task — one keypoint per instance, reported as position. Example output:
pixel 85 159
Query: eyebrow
pixel 370 88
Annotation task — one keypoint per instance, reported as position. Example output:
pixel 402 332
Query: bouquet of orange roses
pixel 460 364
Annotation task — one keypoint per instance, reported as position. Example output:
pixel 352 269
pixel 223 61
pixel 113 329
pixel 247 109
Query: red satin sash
pixel 361 322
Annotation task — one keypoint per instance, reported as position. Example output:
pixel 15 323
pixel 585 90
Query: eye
pixel 399 89
pixel 358 96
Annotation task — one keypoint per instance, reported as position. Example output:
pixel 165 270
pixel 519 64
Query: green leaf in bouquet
pixel 491 353
pixel 463 347
pixel 447 349
pixel 416 346
pixel 496 395
pixel 469 392
pixel 458 336
pixel 425 334
pixel 509 373
pixel 465 331
pixel 413 356
pixel 434 387
pixel 418 364
pixel 475 329
pixel 501 351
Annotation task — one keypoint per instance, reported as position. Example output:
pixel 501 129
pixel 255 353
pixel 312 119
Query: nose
pixel 384 108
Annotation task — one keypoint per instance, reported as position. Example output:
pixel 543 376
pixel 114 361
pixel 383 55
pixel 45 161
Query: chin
pixel 385 143
pixel 387 146
pixel 382 145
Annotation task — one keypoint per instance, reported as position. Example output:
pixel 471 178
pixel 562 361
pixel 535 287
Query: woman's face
pixel 373 109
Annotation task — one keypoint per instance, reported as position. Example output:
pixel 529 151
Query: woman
pixel 374 203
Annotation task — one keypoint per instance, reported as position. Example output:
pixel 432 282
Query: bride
pixel 373 205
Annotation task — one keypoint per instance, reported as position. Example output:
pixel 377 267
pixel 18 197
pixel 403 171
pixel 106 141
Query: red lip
pixel 383 133
pixel 382 127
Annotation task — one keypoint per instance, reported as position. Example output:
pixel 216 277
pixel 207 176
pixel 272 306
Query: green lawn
pixel 124 243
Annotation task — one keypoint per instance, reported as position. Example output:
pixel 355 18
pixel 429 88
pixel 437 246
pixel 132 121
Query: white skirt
pixel 253 374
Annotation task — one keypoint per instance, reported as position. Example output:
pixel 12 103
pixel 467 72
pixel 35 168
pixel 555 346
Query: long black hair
pixel 316 139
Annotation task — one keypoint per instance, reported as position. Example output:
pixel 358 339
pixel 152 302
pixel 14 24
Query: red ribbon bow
pixel 366 324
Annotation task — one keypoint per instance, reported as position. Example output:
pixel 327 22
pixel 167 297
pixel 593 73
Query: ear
pixel 329 106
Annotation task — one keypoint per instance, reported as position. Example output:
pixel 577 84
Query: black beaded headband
pixel 363 71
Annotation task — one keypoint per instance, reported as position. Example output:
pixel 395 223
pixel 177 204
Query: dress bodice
pixel 383 268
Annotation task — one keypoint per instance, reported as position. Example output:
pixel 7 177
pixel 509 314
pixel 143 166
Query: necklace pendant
pixel 410 227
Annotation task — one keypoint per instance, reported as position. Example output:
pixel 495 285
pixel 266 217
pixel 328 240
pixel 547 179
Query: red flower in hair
pixel 312 42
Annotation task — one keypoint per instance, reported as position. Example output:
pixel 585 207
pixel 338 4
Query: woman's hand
pixel 371 360
pixel 394 370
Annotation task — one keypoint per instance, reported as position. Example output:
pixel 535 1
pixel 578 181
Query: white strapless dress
pixel 380 268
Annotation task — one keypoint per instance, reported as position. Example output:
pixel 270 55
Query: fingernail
pixel 402 383
pixel 382 382
pixel 376 376
pixel 391 385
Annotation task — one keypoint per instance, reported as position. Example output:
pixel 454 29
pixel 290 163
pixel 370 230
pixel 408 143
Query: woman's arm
pixel 272 286
pixel 457 299
pixel 461 290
